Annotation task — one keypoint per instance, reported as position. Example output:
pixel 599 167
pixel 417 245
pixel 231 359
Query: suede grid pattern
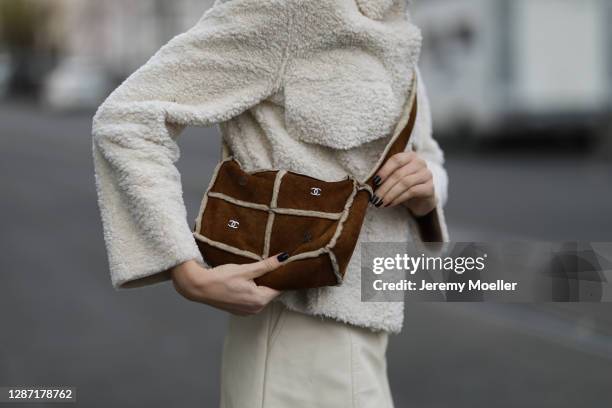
pixel 303 217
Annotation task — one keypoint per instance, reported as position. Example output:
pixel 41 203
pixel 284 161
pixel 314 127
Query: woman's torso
pixel 343 92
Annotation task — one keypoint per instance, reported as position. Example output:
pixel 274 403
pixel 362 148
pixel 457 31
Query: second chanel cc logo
pixel 315 191
pixel 233 224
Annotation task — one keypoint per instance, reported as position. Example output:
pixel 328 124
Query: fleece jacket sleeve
pixel 230 61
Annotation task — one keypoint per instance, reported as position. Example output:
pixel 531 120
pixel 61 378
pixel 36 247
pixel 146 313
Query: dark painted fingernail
pixel 377 180
pixel 378 204
pixel 283 257
pixel 375 199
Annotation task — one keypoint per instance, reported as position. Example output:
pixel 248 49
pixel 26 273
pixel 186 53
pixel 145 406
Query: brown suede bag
pixel 247 216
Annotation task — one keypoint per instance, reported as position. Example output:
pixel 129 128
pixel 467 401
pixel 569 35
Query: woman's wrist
pixel 421 207
pixel 178 268
pixel 188 277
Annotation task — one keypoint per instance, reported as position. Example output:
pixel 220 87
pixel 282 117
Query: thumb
pixel 257 269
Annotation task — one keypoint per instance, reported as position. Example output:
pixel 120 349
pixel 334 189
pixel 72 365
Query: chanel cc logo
pixel 315 191
pixel 233 224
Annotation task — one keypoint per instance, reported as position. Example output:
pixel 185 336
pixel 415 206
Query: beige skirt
pixel 284 359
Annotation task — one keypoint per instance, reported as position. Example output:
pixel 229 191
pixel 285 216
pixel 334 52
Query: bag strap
pixel 225 150
pixel 399 140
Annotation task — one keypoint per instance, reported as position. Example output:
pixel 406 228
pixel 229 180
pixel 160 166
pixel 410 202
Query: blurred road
pixel 63 324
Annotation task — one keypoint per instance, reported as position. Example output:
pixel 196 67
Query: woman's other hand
pixel 405 179
pixel 228 287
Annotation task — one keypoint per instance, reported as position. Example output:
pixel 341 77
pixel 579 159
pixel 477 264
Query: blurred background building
pixel 71 53
pixel 511 82
pixel 524 65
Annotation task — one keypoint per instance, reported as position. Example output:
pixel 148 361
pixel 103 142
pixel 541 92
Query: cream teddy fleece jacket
pixel 313 86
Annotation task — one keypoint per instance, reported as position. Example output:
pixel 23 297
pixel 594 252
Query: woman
pixel 313 86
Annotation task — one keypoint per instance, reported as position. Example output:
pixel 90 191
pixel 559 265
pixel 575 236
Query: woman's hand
pixel 405 179
pixel 228 287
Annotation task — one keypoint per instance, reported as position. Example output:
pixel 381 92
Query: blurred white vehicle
pixel 493 66
pixel 76 83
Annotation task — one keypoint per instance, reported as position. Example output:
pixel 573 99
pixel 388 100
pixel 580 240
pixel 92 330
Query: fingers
pixel 261 297
pixel 258 269
pixel 424 190
pixel 232 287
pixel 395 162
pixel 250 302
pixel 400 172
pixel 404 185
pixel 256 297
pixel 255 302
pixel 392 180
